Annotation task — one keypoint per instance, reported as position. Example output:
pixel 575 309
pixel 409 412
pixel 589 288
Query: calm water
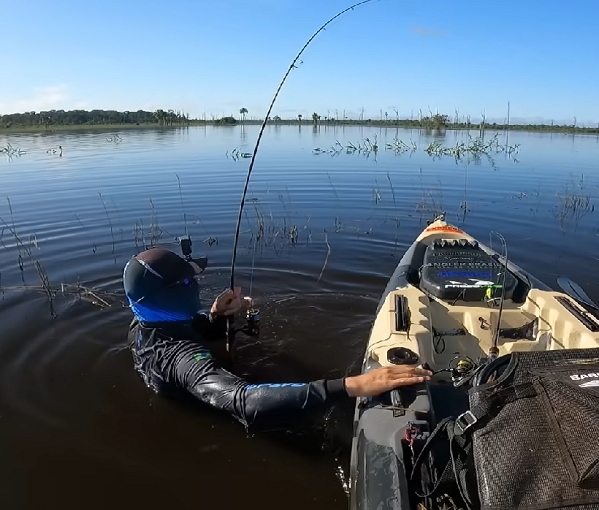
pixel 78 427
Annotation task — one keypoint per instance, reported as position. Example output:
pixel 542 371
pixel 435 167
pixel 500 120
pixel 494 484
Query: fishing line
pixel 253 265
pixel 182 205
pixel 263 126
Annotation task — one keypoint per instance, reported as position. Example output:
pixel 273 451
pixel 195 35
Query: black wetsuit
pixel 175 356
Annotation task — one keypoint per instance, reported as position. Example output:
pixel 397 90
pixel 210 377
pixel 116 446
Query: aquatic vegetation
pixel 155 230
pixel 55 150
pixel 365 147
pixel 428 203
pixel 236 154
pixel 333 187
pixel 574 202
pixel 109 220
pixel 275 227
pixel 41 272
pixel 114 139
pixel 11 151
pixel 376 193
pixel 267 232
pixel 103 299
pixel 399 146
pixel 473 149
pixel 326 240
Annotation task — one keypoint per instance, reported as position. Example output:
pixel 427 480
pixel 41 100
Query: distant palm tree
pixel 315 118
pixel 299 117
pixel 160 117
pixel 243 113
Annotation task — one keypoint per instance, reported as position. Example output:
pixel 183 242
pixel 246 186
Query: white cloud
pixel 52 97
pixel 427 32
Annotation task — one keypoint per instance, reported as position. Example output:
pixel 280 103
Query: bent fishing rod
pixel 230 328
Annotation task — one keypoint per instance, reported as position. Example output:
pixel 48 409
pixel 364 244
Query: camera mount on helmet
pixel 187 250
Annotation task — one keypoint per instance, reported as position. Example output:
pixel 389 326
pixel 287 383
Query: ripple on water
pixel 81 419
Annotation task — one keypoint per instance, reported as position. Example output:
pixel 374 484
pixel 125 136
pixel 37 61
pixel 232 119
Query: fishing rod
pixel 253 312
pixel 494 350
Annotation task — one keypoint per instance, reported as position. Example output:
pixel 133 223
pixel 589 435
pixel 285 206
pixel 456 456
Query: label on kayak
pixel 447 228
pixel 463 285
pixel 464 274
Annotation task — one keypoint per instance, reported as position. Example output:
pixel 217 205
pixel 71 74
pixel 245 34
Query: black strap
pixel 439 433
pixel 490 405
pixel 459 470
pixel 462 464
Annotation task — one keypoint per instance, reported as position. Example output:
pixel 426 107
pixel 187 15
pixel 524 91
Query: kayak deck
pixel 436 329
pixel 449 298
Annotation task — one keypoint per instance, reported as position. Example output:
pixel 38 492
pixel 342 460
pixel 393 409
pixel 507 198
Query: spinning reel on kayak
pixel 460 367
pixel 464 369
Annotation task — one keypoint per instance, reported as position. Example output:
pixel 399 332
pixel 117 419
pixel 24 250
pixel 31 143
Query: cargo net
pixel 541 448
pixel 531 441
pixel 459 269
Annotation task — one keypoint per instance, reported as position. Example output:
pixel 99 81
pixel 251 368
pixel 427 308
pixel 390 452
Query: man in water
pixel 171 341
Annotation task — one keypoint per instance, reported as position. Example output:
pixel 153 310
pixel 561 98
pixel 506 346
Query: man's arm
pixel 210 326
pixel 196 371
pixel 193 369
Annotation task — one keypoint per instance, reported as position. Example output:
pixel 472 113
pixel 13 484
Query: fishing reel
pixel 459 367
pixel 252 317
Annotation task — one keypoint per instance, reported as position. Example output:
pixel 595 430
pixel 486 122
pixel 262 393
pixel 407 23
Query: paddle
pixel 574 291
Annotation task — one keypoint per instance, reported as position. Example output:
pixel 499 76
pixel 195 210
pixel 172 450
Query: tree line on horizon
pixel 93 117
pixel 172 118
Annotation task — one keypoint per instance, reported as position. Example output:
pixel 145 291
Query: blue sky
pixel 220 55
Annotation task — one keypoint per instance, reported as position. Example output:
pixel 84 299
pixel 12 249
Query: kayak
pixel 451 305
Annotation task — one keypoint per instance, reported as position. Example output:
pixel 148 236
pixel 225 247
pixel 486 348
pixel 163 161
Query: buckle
pixel 464 421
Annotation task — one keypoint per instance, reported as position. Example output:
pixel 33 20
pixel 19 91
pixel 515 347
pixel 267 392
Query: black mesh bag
pixel 534 428
pixel 530 440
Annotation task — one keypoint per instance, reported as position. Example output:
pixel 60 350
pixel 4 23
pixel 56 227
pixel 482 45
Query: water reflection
pixel 321 234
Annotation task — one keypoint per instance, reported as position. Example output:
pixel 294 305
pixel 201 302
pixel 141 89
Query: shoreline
pixel 307 124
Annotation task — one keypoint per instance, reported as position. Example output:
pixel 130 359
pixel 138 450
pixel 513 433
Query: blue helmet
pixel 161 286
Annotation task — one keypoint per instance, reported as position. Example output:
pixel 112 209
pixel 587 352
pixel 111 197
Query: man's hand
pixel 383 379
pixel 230 302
